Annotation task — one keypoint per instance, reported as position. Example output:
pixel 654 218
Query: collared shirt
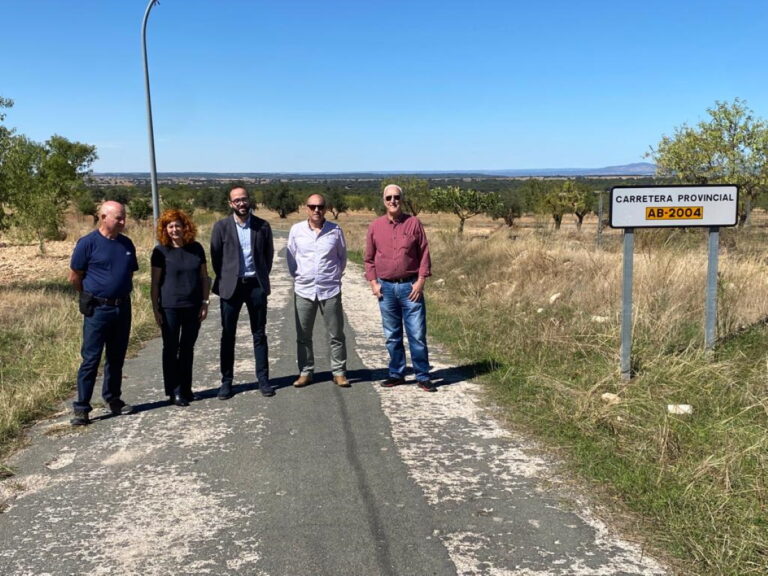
pixel 108 264
pixel 396 249
pixel 247 267
pixel 316 260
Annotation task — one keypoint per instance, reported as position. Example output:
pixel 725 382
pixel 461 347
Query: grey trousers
pixel 333 315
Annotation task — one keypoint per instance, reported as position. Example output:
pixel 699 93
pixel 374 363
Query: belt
pixel 248 279
pixel 110 301
pixel 402 280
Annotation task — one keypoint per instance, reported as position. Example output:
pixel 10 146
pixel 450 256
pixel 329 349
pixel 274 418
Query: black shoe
pixel 391 382
pixel 179 400
pixel 426 385
pixel 266 390
pixel 191 397
pixel 81 418
pixel 120 408
pixel 225 392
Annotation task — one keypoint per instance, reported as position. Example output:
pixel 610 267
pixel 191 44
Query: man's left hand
pixel 417 290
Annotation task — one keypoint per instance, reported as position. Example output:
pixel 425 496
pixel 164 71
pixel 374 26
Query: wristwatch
pixel 206 302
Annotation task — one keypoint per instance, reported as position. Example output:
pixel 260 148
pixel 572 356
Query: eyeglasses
pixel 392 198
pixel 239 201
pixel 314 207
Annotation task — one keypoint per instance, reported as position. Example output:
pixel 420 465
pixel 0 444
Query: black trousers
pixel 180 329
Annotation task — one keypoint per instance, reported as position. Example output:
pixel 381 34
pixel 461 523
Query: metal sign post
pixel 626 306
pixel 710 329
pixel 664 207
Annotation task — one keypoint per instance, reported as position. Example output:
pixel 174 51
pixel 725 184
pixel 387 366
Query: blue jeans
pixel 396 311
pixel 110 328
pixel 255 301
pixel 180 329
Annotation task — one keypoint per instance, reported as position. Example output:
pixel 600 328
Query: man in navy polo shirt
pixel 101 270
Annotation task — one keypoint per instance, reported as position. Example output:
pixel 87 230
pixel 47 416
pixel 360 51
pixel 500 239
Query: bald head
pixel 110 206
pixel 111 218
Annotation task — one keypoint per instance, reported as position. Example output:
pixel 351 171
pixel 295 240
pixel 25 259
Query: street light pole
pixel 152 165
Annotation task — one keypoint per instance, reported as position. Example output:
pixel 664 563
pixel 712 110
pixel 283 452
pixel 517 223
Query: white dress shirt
pixel 316 260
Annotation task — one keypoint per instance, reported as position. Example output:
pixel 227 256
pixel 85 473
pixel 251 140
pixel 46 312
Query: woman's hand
pixel 158 315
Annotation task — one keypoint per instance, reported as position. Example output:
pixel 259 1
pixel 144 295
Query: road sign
pixel 674 206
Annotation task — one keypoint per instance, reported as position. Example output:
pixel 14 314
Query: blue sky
pixel 401 85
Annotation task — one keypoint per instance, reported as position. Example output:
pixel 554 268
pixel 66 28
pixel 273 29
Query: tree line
pixel 503 199
pixel 38 181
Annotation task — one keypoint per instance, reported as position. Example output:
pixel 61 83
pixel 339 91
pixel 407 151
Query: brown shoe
pixel 303 380
pixel 341 380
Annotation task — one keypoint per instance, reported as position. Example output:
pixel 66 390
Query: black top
pixel 180 284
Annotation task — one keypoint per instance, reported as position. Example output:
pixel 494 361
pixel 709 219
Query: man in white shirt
pixel 317 256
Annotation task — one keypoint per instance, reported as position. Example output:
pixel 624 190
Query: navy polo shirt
pixel 108 264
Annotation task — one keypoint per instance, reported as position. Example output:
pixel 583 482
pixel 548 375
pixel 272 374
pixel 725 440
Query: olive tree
pixel 40 181
pixel 279 198
pixel 731 147
pixel 335 201
pixel 509 207
pixel 86 205
pixel 5 141
pixel 554 203
pixel 463 203
pixel 140 208
pixel 578 198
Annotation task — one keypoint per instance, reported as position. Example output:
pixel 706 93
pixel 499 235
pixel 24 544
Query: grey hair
pixel 393 186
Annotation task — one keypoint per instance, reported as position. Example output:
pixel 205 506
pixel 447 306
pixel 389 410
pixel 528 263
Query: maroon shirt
pixel 396 249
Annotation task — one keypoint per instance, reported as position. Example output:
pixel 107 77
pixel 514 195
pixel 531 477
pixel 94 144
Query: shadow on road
pixel 442 377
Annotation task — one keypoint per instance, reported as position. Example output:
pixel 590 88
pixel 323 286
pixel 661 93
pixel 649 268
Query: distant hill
pixel 636 169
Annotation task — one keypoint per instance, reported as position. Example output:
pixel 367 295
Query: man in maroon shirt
pixel 397 265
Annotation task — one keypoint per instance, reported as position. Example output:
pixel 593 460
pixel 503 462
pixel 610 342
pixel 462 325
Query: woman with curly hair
pixel 180 288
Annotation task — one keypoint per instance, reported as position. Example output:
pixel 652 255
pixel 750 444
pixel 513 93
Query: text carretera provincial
pixel 683 197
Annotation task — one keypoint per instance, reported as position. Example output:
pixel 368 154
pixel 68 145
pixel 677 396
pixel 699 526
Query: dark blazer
pixel 225 254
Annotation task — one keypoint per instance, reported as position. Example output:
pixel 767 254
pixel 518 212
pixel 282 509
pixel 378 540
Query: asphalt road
pixel 314 481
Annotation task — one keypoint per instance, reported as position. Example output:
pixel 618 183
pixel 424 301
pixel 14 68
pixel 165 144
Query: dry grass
pixel 41 328
pixel 38 353
pixel 542 309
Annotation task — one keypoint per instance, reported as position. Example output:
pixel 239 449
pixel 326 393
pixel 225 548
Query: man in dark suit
pixel 241 255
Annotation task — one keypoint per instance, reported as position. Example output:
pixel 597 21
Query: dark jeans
pixel 109 327
pixel 255 301
pixel 180 329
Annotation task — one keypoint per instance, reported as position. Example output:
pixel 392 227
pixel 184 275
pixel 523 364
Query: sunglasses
pixel 239 201
pixel 391 198
pixel 314 207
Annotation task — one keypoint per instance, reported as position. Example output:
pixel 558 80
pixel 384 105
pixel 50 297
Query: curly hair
pixel 190 230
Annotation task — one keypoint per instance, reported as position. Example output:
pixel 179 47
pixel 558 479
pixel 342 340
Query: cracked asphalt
pixel 314 481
